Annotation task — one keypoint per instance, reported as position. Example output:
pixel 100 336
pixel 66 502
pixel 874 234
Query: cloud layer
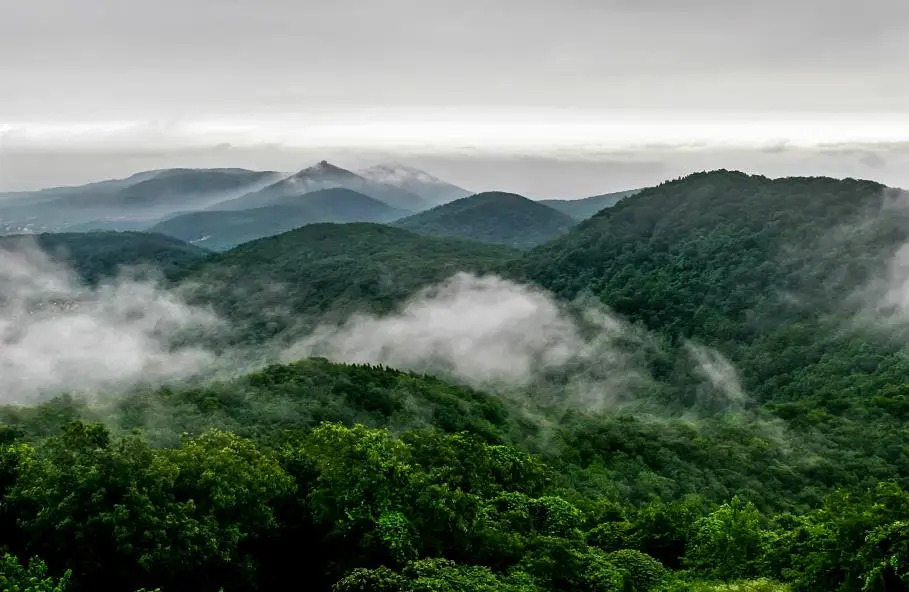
pixel 490 332
pixel 58 335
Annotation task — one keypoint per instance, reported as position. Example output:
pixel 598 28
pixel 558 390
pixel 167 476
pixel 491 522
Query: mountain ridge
pixel 325 175
pixel 223 229
pixel 493 217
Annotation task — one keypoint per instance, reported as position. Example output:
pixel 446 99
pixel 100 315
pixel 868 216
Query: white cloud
pixel 58 335
pixel 489 332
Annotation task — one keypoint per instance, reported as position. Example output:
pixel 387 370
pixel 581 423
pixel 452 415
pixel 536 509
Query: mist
pixel 718 373
pixel 492 333
pixel 58 335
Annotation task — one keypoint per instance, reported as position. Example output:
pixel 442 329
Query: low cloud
pixel 719 375
pixel 58 335
pixel 492 333
pixel 884 298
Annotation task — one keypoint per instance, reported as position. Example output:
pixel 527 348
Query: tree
pixel 15 577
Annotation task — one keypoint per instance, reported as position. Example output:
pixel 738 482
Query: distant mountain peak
pixel 324 175
pixel 322 168
pixel 493 217
pixel 432 189
pixel 395 173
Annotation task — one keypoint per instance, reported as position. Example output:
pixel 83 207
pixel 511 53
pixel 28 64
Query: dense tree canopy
pixel 353 478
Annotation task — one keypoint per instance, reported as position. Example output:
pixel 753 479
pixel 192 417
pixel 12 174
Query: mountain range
pixel 221 208
pixel 712 398
pixel 222 229
pixel 126 204
pixel 325 176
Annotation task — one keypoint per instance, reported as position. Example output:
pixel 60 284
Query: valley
pixel 698 387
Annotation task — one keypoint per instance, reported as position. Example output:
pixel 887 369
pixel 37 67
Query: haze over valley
pixel 424 296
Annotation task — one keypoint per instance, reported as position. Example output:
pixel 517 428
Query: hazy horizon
pixel 545 100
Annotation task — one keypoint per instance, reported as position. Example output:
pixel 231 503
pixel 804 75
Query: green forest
pixel 334 477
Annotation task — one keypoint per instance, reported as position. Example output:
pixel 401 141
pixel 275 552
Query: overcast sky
pixel 537 96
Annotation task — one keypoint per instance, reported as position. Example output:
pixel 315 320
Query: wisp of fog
pixel 484 331
pixel 58 335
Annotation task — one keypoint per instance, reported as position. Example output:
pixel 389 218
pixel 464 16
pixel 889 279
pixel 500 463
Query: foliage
pixel 502 218
pixel 581 209
pixel 323 272
pixel 98 255
pixel 369 478
pixel 14 577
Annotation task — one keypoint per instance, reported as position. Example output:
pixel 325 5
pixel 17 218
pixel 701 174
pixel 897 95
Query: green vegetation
pixel 220 230
pixel 369 478
pixel 581 209
pixel 95 255
pixel 783 276
pixel 325 272
pixel 500 218
pixel 449 498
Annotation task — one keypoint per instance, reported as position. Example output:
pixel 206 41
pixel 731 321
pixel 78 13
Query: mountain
pixel 126 203
pixel 220 230
pixel 493 217
pixel 581 209
pixel 793 279
pixel 325 176
pixel 768 317
pixel 95 255
pixel 293 280
pixel 432 189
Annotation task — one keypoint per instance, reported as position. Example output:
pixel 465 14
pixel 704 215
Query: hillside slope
pixel 220 230
pixel 493 217
pixel 799 484
pixel 295 279
pixel 95 255
pixel 790 277
pixel 325 176
pixel 125 204
pixel 581 209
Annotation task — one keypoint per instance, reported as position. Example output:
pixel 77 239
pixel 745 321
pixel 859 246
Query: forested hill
pixel 581 209
pixel 354 478
pixel 94 255
pixel 326 271
pixel 449 499
pixel 493 217
pixel 773 272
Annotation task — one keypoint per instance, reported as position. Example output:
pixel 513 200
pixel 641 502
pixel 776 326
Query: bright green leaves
pixel 15 577
pixel 728 543
pixel 122 512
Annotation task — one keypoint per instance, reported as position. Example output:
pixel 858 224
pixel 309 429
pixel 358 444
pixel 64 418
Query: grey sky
pixel 281 66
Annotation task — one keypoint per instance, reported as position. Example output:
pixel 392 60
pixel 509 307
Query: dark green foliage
pixel 97 255
pixel 326 271
pixel 281 399
pixel 693 257
pixel 367 478
pixel 15 577
pixel 371 510
pixel 784 277
pixel 501 218
pixel 121 515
